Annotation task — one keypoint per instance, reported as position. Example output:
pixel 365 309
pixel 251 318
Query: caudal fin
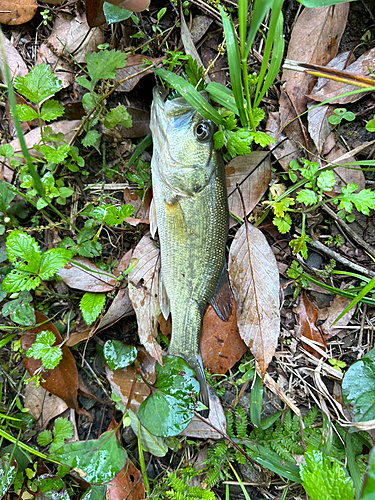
pixel 197 365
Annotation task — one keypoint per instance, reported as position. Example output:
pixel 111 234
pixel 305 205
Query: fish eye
pixel 202 131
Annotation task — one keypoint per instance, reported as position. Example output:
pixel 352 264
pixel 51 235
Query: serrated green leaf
pixel 283 224
pixel 91 306
pixel 81 80
pixel 298 245
pixel 23 251
pixel 323 479
pixel 44 350
pixel 53 260
pixel 115 14
pixel 44 438
pixel 119 116
pixel 306 196
pixel 119 355
pixel 363 201
pixel 39 84
pixel 51 110
pixel 90 138
pixel 103 65
pixel 20 310
pixel 326 180
pixel 262 138
pixel 358 389
pixel 169 408
pixel 26 113
pixel 101 459
pixel 218 139
pixel 16 281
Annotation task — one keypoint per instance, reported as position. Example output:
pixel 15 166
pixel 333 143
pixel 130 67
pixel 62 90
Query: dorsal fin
pixel 222 298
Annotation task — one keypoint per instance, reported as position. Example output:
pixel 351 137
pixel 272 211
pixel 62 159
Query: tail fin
pixel 197 365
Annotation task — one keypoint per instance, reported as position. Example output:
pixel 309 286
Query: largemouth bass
pixel 191 210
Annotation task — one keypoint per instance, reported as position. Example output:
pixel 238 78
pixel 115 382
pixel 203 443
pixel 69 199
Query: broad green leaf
pixel 307 196
pixel 6 150
pixel 53 260
pixel 119 116
pixel 15 281
pixel 50 487
pixel 358 389
pixel 260 9
pixel 39 84
pixel 44 350
pixel 55 155
pixel 169 408
pixel 23 251
pixel 119 355
pixel 101 459
pixel 103 65
pixel 20 310
pixel 51 110
pixel 96 492
pixel 26 113
pixel 323 479
pixel 90 138
pixel 65 192
pixel 368 488
pixel 155 445
pixel 322 3
pixel 326 180
pixel 8 471
pixel 6 196
pixel 115 14
pixel 91 306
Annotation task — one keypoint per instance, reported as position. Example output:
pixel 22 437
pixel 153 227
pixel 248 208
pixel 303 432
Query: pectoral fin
pixel 222 298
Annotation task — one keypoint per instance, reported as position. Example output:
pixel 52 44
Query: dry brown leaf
pixel 200 26
pixel 200 429
pixel 141 209
pixel 127 484
pixel 132 67
pixel 42 405
pixel 17 66
pixel 307 325
pixel 319 126
pixel 14 12
pixel 221 344
pixel 127 384
pixel 254 278
pixel 284 150
pixel 363 66
pixel 330 314
pixel 124 263
pixel 253 174
pixel 62 381
pixel 144 294
pixel 91 279
pixel 140 124
pixel 315 39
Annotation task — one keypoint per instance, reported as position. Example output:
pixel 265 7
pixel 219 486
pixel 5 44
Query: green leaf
pixel 23 251
pixel 51 110
pixel 53 260
pixel 155 445
pixel 20 310
pixel 326 180
pixel 260 9
pixel 65 192
pixel 334 119
pixel 298 245
pixel 91 138
pixel 370 126
pixel 101 459
pixel 44 350
pixel 50 487
pixel 81 80
pixel 307 196
pixel 169 408
pixel 91 306
pixel 6 150
pixel 8 471
pixel 63 429
pixel 368 487
pixel 363 201
pixel 262 138
pixel 119 355
pixel 39 84
pixel 115 14
pixel 6 196
pixel 283 224
pixel 44 438
pixel 96 492
pixel 223 96
pixel 103 65
pixel 219 139
pixel 322 3
pixel 16 281
pixel 358 389
pixel 26 113
pixel 323 479
pixel 119 116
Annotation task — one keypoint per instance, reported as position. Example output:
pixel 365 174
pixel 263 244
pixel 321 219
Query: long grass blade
pixel 223 96
pixel 234 64
pixel 243 8
pixel 365 290
pixel 260 10
pixel 192 96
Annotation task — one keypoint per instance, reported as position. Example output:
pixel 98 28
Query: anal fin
pixel 222 298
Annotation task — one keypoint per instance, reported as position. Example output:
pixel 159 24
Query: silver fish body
pixel 190 202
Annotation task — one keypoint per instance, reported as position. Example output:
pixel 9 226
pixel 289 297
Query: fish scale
pixel 192 215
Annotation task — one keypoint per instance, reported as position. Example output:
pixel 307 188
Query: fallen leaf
pixel 140 124
pixel 189 45
pixel 254 279
pixel 124 262
pixel 13 13
pixel 252 173
pixel 62 381
pixel 321 31
pixel 284 150
pixel 363 66
pixel 17 66
pixel 42 405
pixel 329 314
pixel 307 323
pixel 144 294
pixel 127 484
pixel 126 384
pixel 141 209
pixel 200 26
pixel 133 65
pixel 200 429
pixel 91 279
pixel 221 344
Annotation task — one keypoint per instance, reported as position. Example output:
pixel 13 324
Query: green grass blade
pixel 239 481
pixel 189 93
pixel 256 397
pixel 243 8
pixel 234 65
pixel 275 37
pixel 145 143
pixel 260 9
pixel 223 96
pixel 365 290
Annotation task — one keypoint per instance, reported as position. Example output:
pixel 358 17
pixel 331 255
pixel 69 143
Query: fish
pixel 190 212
